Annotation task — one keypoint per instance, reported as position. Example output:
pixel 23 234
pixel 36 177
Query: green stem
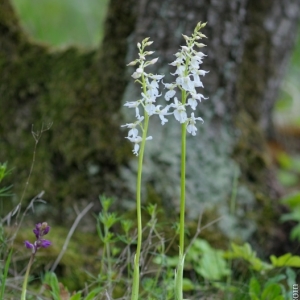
pixel 179 274
pixel 182 180
pixel 136 271
pixel 182 188
pixel 232 213
pixel 109 267
pixel 24 287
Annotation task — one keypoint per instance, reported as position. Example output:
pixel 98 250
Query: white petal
pixel 170 94
pixel 136 149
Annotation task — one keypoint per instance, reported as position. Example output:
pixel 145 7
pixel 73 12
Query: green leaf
pixel 254 289
pixel 296 164
pixel 207 261
pixel 187 285
pixel 166 260
pixel 4 275
pixel 295 233
pixel 77 296
pixel 51 280
pixel 287 178
pixel 212 266
pixel 245 252
pixel 272 292
pixel 4 192
pixel 276 278
pixel 292 216
pixel 284 160
pixel 292 200
pixel 286 260
pixel 91 296
pixel 291 276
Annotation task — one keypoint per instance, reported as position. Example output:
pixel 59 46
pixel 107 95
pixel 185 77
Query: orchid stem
pixel 24 287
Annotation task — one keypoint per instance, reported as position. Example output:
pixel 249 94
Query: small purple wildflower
pixel 40 230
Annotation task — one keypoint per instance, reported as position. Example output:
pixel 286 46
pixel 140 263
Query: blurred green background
pixel 80 22
pixel 288 105
pixel 63 22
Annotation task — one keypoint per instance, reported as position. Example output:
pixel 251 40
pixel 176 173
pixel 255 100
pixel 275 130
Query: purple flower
pixel 28 245
pixel 40 230
pixel 44 243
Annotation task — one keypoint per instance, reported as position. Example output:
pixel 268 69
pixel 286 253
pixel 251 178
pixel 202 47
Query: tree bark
pixel 84 154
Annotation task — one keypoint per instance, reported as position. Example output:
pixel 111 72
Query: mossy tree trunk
pixel 85 154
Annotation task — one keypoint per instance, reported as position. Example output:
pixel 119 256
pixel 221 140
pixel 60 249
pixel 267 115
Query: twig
pixel 64 248
pixel 36 135
pixel 199 229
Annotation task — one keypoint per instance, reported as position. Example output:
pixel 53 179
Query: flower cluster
pixel 40 230
pixel 188 73
pixel 150 92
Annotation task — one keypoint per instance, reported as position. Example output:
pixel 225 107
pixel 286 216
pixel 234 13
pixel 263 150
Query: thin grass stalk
pixel 5 273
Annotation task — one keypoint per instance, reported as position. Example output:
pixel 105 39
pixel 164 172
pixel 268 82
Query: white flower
pixel 138 73
pixel 191 128
pixel 179 71
pixel 196 59
pixel 193 101
pixel 179 112
pixel 133 132
pixel 150 97
pixel 162 113
pixel 197 81
pixel 199 55
pixel 179 60
pixel 150 109
pixel 170 94
pixel 196 74
pixel 152 89
pixel 156 77
pixel 195 62
pixel 186 83
pixel 134 104
pixel 202 72
pixel 136 140
pixel 170 86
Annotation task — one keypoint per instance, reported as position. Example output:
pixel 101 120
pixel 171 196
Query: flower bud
pixel 200 45
pixel 133 63
pixel 201 35
pixel 142 56
pixel 153 61
pixel 149 52
pixel 185 37
pixel 145 40
pixel 185 48
pixel 148 43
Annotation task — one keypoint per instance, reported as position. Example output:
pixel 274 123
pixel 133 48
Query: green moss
pixel 80 93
